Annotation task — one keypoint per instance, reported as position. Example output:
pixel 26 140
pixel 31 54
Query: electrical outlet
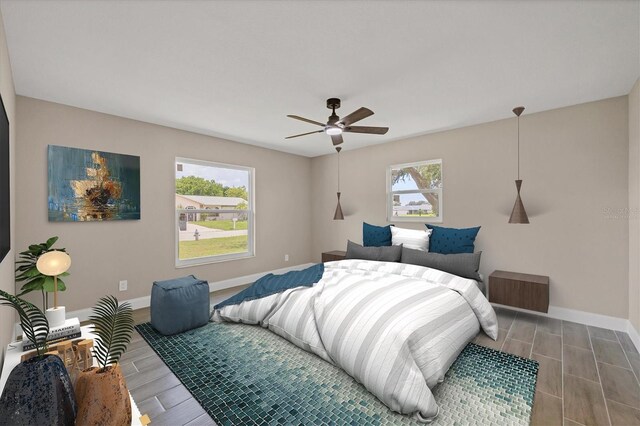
pixel 123 285
pixel 286 257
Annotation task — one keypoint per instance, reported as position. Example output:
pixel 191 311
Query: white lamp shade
pixel 53 263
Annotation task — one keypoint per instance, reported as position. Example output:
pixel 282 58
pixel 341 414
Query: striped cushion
pixel 410 238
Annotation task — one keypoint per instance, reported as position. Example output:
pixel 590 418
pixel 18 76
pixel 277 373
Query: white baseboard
pixel 633 334
pixel 145 301
pixel 588 318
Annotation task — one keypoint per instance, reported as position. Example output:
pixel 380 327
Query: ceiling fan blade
pixel 356 115
pixel 365 129
pixel 306 119
pixel 304 134
pixel 336 139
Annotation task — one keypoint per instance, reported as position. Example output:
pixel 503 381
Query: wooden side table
pixel 330 256
pixel 524 291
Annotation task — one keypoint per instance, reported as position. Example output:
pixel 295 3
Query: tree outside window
pixel 414 192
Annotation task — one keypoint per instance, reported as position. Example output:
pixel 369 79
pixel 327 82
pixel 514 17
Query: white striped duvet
pixel 395 328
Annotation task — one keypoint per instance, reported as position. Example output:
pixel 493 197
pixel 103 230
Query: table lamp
pixel 52 264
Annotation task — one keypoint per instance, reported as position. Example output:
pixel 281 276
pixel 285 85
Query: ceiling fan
pixel 336 125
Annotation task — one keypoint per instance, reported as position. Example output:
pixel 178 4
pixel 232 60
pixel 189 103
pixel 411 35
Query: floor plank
pixel 203 420
pixel 527 317
pixel 136 380
pixel 623 415
pixel 547 410
pixel 627 343
pixel 148 363
pixel 635 363
pixel 619 385
pixel 517 347
pixel 181 414
pixel 575 334
pixel 137 354
pixel 549 375
pixel 174 396
pixel 151 407
pixel 548 345
pixel 583 402
pixel 522 330
pixel 128 368
pixel 155 387
pixel 580 363
pixel 609 352
pixel 602 333
pixel 550 325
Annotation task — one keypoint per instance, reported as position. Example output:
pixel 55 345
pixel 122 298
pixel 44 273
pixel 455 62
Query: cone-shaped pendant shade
pixel 338 214
pixel 518 214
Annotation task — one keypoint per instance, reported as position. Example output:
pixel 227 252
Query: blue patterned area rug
pixel 246 375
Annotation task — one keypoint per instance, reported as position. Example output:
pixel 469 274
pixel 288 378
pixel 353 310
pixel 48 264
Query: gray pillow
pixel 461 264
pixel 383 253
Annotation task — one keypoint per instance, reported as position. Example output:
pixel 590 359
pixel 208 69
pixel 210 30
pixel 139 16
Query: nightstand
pixel 524 291
pixel 330 256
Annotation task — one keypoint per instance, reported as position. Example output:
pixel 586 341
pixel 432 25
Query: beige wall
pixel 634 206
pixel 143 251
pixel 574 166
pixel 7 281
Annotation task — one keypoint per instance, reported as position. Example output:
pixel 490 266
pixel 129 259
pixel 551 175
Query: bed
pixel 396 328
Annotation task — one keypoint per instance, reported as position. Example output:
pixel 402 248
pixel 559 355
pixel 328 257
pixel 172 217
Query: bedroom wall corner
pixel 634 206
pixel 7 280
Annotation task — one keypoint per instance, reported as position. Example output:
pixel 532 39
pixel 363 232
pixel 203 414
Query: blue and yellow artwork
pixel 87 185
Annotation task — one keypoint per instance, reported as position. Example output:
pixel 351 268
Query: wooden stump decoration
pixel 103 397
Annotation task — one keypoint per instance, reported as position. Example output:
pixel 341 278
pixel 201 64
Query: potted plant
pixel 27 272
pixel 103 397
pixel 38 390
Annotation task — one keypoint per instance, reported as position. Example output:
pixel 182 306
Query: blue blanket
pixel 271 284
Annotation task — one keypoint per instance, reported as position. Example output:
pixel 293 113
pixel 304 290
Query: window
pixel 214 212
pixel 414 192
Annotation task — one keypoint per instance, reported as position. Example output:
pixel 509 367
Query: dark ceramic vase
pixel 38 392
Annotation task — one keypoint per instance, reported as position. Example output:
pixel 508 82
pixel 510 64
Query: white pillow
pixel 410 238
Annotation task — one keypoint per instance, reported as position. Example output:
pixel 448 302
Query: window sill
pixel 200 261
pixel 417 219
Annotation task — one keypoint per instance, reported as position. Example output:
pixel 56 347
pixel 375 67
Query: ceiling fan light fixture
pixel 336 126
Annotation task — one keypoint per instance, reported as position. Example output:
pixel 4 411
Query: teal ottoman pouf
pixel 179 305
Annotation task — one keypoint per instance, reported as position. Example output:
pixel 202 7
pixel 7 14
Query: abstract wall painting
pixel 87 185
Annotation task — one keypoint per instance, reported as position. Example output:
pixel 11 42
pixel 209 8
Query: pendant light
pixel 518 214
pixel 338 214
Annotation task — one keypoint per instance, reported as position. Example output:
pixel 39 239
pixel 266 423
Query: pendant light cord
pixel 518 147
pixel 338 171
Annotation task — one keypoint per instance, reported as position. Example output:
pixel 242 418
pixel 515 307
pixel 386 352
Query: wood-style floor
pixel 587 376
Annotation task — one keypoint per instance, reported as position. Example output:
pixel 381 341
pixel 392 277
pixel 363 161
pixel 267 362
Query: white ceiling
pixel 234 69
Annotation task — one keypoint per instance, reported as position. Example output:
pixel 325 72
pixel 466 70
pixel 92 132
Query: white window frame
pixel 250 212
pixel 391 193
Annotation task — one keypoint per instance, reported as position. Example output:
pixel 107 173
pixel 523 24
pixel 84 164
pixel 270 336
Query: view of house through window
pixel 214 212
pixel 415 192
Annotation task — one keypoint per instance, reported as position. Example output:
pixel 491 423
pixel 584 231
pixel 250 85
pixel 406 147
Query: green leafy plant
pixel 32 320
pixel 113 324
pixel 27 273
